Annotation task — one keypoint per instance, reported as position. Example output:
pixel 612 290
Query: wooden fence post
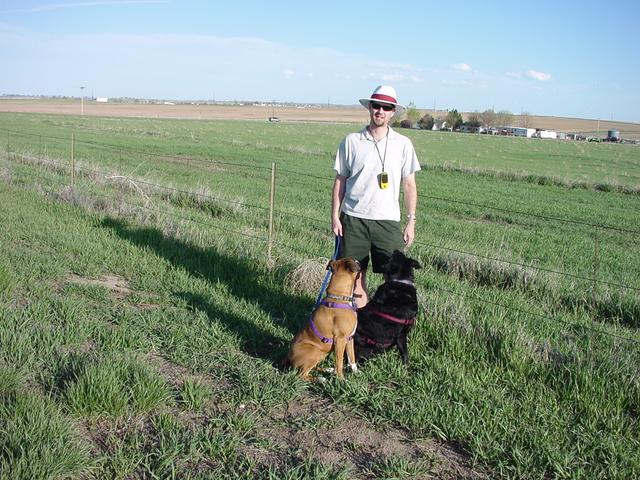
pixel 73 160
pixel 596 268
pixel 272 195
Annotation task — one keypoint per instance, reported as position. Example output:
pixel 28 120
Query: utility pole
pixel 82 101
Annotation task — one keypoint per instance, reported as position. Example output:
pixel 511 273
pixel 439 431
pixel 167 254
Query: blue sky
pixel 563 58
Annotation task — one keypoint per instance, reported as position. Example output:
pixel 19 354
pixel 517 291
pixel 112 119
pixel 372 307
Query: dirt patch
pixel 174 374
pixel 348 114
pixel 330 434
pixel 312 427
pixel 118 286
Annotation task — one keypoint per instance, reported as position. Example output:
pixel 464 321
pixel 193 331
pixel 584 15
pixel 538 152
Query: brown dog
pixel 331 326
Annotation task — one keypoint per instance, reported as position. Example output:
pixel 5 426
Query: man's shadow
pixel 241 278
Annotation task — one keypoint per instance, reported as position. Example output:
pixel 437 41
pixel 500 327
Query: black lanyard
pixel 386 144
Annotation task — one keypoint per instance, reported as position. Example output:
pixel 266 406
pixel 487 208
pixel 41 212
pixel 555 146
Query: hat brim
pixel 366 101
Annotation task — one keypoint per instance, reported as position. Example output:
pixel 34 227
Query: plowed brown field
pixel 346 114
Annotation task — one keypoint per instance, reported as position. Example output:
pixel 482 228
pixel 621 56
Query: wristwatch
pixel 411 216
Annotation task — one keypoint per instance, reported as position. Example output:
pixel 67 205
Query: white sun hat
pixel 384 94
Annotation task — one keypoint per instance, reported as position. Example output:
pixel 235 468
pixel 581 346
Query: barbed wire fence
pixel 41 153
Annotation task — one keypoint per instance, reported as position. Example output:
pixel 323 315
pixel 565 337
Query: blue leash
pixel 328 275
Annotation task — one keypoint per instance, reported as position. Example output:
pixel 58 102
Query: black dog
pixel 387 319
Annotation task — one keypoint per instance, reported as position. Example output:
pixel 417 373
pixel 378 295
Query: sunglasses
pixel 378 106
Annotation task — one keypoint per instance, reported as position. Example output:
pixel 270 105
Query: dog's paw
pixel 354 367
pixel 320 379
pixel 328 370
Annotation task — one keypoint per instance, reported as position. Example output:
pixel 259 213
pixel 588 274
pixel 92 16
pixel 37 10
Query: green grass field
pixel 143 324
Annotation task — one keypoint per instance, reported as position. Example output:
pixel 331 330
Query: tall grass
pixel 524 356
pixel 37 440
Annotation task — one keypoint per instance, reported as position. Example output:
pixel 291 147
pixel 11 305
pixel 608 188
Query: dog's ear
pixel 415 264
pixel 354 265
pixel 386 265
pixel 394 262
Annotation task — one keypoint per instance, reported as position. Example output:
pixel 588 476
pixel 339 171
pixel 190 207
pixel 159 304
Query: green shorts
pixel 378 238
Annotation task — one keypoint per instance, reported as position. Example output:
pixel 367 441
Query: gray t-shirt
pixel 360 161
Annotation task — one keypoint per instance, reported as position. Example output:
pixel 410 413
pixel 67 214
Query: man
pixel 371 166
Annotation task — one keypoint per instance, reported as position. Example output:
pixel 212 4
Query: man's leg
pixel 356 244
pixel 360 291
pixel 386 236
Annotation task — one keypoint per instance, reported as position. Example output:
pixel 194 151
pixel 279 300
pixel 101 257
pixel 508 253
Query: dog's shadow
pixel 240 278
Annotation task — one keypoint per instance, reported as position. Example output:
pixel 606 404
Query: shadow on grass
pixel 243 279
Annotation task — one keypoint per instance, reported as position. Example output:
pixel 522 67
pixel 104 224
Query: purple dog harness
pixel 328 304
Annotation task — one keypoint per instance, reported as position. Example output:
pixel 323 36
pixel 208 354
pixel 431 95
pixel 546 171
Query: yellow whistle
pixel 383 180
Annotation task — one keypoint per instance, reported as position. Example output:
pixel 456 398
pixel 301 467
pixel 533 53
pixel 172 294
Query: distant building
pixel 522 131
pixel 102 99
pixel 439 125
pixel 472 129
pixel 546 134
pixel 516 131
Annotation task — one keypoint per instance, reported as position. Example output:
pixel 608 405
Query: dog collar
pixel 339 297
pixel 407 282
pixel 408 321
pixel 337 305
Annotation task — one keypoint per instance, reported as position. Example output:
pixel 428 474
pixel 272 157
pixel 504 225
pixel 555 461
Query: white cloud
pixel 188 67
pixel 456 83
pixel 393 77
pixel 404 67
pixel 542 76
pixel 57 6
pixel 463 67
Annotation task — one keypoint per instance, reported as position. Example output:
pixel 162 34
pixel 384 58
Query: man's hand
pixel 410 203
pixel 409 233
pixel 336 226
pixel 337 196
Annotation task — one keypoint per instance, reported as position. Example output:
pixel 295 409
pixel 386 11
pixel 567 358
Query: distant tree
pixel 412 114
pixel 524 119
pixel 406 123
pixel 426 122
pixel 504 118
pixel 488 118
pixel 473 120
pixel 454 119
